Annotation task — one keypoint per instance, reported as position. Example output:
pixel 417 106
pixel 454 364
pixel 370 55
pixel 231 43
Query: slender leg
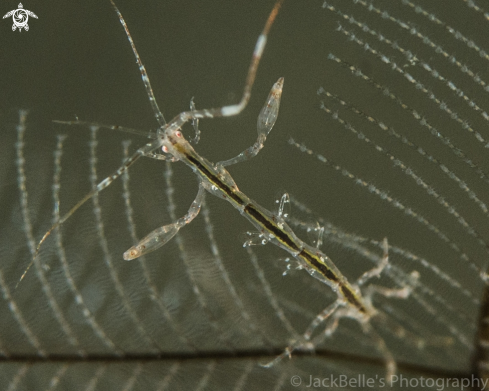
pixel 266 120
pixel 390 362
pixel 320 318
pixel 400 293
pixel 305 343
pixel 376 271
pixel 160 236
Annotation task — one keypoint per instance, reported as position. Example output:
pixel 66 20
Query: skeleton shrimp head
pixel 173 143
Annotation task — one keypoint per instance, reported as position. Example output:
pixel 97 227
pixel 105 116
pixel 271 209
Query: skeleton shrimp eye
pixel 164 148
pixel 178 133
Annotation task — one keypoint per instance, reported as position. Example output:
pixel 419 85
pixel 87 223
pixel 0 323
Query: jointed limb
pixel 400 293
pixel 375 272
pixel 340 308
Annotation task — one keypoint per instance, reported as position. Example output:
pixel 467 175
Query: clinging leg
pixel 160 236
pixel 322 317
pixel 390 362
pixel 305 343
pixel 376 271
pixel 400 293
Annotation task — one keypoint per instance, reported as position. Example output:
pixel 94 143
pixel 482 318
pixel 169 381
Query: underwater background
pixel 382 132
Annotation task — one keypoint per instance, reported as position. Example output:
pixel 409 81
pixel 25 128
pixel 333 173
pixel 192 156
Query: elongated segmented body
pixel 276 230
pixel 215 179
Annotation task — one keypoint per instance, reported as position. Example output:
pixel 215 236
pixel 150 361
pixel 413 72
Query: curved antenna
pixel 227 111
pixel 144 75
pixel 101 186
pixel 119 128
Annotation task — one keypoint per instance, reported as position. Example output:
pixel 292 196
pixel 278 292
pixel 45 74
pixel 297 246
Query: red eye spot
pixel 178 133
pixel 164 148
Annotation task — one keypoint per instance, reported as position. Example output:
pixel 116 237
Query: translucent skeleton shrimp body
pixel 272 227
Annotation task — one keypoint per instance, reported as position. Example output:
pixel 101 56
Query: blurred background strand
pixel 382 133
